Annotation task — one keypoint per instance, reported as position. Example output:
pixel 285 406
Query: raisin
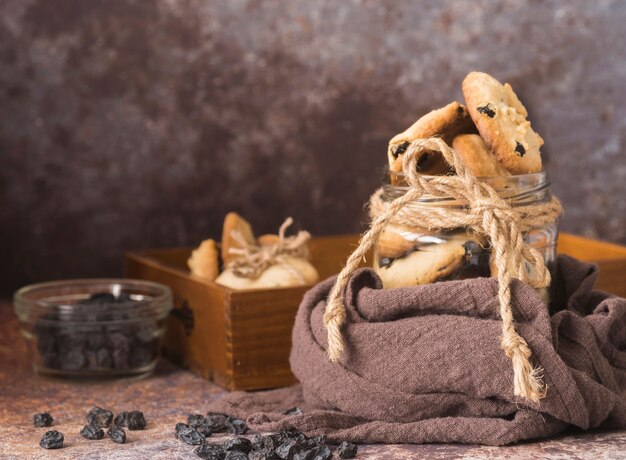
pixel 241 444
pixel 236 426
pixel 487 110
pixel 52 440
pixel 217 422
pixel 347 450
pixel 287 450
pixel 317 453
pixel 260 455
pixel 92 432
pixel 196 419
pixel 210 452
pixel 120 419
pixel 190 436
pixel 519 149
pixel 100 417
pixel 236 455
pixel 135 420
pixel 42 419
pixel 293 411
pixel 180 426
pixel 400 149
pixel 117 434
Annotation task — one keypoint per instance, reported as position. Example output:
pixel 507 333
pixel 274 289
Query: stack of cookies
pixel 493 138
pixel 238 239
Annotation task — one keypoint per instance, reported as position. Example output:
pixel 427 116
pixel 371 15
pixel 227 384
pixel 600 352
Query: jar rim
pixel 151 298
pixel 517 188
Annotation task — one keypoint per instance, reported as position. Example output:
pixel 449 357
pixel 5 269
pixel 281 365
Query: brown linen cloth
pixel 424 364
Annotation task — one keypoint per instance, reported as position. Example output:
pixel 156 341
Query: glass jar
pixel 405 257
pixel 98 328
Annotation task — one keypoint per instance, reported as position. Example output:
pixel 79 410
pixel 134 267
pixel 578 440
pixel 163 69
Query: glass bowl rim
pixel 160 302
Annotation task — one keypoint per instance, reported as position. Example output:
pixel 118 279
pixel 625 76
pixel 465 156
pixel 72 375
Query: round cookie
pixel 477 157
pixel 427 263
pixel 501 121
pixel 293 271
pixel 234 222
pixel 446 122
pixel 203 261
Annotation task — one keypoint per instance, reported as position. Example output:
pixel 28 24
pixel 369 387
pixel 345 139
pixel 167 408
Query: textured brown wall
pixel 135 124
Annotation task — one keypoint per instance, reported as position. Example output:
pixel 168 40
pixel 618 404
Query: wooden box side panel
pixel 261 325
pixel 198 345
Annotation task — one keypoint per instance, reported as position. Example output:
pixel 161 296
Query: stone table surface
pixel 168 396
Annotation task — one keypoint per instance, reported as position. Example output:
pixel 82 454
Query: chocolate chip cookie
pixel 204 261
pixel 235 223
pixel 477 157
pixel 501 121
pixel 446 122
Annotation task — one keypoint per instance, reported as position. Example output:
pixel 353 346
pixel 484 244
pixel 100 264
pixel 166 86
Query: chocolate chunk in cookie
pixel 446 122
pixel 477 157
pixel 501 120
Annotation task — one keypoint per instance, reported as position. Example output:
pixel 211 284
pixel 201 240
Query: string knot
pixel 482 211
pixel 253 259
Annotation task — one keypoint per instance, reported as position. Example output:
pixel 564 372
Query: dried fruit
pixel 117 434
pixel 287 450
pixel 190 436
pixel 210 452
pixel 240 444
pixel 99 417
pixel 317 453
pixel 92 432
pixel 180 426
pixel 217 422
pixel 135 420
pixel 487 110
pixel 236 455
pixel 121 346
pixel 519 149
pixel 194 420
pixel 42 419
pixel 52 440
pixel 236 426
pixel 400 149
pixel 347 450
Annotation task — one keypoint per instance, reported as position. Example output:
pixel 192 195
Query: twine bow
pixel 484 212
pixel 253 259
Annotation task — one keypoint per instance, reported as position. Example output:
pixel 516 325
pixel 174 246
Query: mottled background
pixel 137 124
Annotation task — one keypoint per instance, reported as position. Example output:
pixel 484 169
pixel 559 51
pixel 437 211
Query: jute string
pixel 482 212
pixel 253 259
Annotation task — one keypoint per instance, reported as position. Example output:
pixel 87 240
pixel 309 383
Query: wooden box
pixel 241 339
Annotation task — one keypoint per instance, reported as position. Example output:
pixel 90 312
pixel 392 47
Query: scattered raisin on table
pixel 52 440
pixel 210 452
pixel 100 417
pixel 43 419
pixel 236 426
pixel 347 450
pixel 240 444
pixel 117 434
pixel 190 436
pixel 92 432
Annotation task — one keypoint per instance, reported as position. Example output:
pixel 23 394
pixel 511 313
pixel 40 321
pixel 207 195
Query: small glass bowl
pixel 93 328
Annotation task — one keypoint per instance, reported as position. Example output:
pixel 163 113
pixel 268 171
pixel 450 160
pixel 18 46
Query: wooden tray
pixel 241 339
